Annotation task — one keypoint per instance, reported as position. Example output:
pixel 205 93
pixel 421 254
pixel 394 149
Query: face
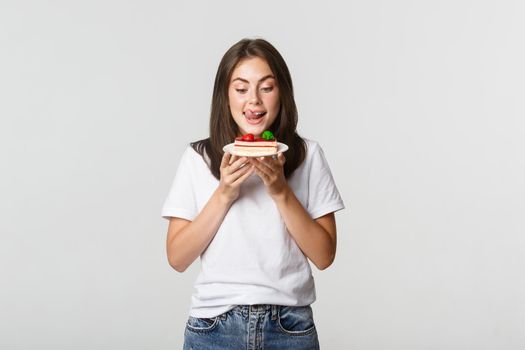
pixel 253 96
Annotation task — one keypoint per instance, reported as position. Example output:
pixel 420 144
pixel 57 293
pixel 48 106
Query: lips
pixel 254 117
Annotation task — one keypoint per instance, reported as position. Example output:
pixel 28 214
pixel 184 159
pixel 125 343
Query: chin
pixel 255 130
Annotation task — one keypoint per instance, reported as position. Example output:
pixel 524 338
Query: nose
pixel 253 98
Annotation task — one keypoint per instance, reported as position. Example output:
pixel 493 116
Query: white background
pixel 417 104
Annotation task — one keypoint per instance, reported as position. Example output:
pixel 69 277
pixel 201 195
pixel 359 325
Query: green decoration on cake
pixel 267 135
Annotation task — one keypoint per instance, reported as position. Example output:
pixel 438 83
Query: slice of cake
pixel 253 146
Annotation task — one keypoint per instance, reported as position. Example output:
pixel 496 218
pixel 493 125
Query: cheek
pixel 234 101
pixel 272 101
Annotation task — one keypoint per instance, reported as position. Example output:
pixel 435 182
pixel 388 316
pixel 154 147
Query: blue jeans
pixel 254 327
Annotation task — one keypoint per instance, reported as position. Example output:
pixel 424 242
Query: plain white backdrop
pixel 417 104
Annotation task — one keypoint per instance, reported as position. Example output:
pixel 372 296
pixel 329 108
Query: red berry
pixel 248 137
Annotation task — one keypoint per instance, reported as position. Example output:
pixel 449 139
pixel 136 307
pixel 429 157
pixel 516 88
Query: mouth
pixel 254 117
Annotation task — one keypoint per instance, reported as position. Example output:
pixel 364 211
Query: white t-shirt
pixel 252 259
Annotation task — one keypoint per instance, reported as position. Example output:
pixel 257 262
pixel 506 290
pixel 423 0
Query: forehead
pixel 252 68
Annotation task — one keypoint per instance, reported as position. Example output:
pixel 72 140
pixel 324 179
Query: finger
pixel 225 160
pixel 281 159
pixel 250 169
pixel 238 164
pixel 233 159
pixel 269 163
pixel 276 162
pixel 261 174
pixel 261 167
pixel 234 176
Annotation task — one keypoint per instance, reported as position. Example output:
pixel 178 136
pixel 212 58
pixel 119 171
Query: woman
pixel 254 222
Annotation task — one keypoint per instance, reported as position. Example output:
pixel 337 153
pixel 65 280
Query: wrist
pixel 223 197
pixel 283 195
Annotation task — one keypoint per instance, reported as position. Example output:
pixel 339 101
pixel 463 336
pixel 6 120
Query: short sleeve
pixel 181 199
pixel 323 195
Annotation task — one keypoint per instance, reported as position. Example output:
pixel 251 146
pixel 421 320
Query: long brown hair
pixel 223 128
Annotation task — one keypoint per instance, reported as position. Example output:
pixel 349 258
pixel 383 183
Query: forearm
pixel 184 246
pixel 313 240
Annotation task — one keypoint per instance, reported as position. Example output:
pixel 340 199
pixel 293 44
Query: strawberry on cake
pixel 249 145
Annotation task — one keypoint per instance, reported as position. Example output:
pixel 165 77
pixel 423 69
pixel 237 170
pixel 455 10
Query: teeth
pixel 257 114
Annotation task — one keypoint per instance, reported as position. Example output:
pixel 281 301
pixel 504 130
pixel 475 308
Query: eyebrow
pixel 263 78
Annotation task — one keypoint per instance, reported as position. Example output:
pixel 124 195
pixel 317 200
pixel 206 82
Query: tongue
pixel 251 115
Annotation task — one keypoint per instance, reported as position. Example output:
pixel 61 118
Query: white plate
pixel 281 147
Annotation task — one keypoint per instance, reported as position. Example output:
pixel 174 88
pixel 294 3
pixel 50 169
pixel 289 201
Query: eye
pixel 267 89
pixel 241 91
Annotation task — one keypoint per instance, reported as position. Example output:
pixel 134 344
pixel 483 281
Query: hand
pixel 271 171
pixel 234 171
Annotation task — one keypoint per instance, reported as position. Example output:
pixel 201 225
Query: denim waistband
pixel 245 310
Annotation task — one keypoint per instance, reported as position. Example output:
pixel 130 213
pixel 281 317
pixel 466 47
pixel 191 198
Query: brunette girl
pixel 254 222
